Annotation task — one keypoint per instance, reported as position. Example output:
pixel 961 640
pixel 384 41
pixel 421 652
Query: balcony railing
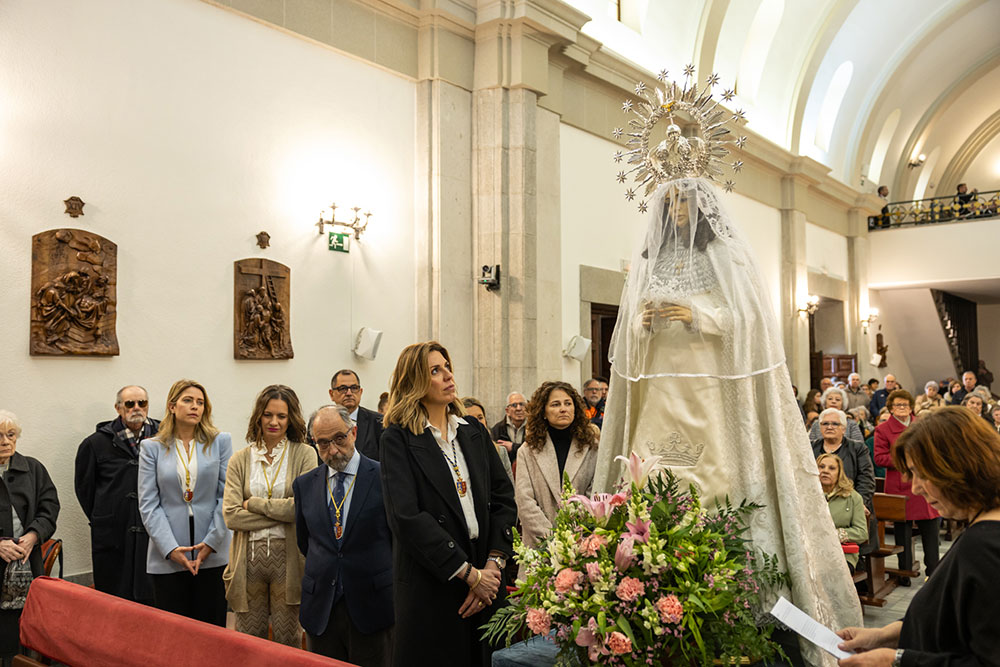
pixel 937 209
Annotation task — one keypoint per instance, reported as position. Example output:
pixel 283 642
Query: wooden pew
pixel 888 508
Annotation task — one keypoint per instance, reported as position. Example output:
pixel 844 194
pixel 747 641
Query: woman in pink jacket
pixel 900 404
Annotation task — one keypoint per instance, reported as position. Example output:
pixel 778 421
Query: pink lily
pixel 639 530
pixel 624 554
pixel 639 468
pixel 601 505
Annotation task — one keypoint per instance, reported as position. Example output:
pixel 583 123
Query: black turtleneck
pixel 562 438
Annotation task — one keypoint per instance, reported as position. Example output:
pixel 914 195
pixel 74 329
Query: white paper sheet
pixel 803 623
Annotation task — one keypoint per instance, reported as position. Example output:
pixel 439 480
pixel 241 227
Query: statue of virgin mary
pixel 699 379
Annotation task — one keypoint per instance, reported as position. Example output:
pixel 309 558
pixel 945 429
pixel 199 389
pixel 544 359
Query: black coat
pixel 369 433
pixel 106 485
pixel 29 490
pixel 431 541
pixel 362 559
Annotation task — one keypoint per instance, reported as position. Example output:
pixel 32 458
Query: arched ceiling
pixel 937 61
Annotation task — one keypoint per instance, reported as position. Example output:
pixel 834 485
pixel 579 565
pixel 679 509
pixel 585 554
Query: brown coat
pixel 538 487
pixel 262 513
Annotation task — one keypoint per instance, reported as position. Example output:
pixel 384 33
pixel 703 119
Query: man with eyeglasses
pixel 107 471
pixel 509 431
pixel 346 607
pixel 345 390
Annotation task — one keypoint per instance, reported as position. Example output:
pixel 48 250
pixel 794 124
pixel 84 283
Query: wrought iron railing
pixel 937 209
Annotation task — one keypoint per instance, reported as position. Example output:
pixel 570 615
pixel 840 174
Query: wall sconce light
pixel 811 305
pixel 355 225
pixel 867 321
pixel 917 161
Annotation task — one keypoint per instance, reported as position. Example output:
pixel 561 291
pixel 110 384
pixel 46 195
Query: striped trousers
pixel 266 596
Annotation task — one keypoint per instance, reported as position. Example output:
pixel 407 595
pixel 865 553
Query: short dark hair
pixel 959 186
pixel 956 451
pixel 872 380
pixel 601 378
pixel 899 393
pixel 883 187
pixel 343 371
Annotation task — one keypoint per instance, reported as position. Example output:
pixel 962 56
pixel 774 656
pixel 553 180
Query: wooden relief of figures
pixel 73 293
pixel 261 310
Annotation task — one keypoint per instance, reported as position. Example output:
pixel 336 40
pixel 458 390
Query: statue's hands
pixel 654 314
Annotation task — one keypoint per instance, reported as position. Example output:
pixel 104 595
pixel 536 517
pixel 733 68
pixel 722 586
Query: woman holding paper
pixel 953 459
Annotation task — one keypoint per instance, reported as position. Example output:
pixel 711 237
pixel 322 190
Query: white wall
pixel 188 129
pixel 826 251
pixel 600 228
pixel 988 324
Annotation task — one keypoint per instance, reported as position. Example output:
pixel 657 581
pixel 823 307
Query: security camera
pixel 490 277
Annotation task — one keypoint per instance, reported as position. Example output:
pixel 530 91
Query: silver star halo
pixel 703 154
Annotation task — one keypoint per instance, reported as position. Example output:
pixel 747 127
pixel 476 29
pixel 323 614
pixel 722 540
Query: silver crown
pixel 675 452
pixel 700 155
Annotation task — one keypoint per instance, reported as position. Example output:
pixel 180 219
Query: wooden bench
pixel 879 580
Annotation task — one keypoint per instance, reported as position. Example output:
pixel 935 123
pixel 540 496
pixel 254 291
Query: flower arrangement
pixel 644 576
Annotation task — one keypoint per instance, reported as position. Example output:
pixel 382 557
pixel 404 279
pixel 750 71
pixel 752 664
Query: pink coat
pixel 885 440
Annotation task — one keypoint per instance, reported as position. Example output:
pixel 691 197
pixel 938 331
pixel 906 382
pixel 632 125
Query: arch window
pixel 763 28
pixel 831 104
pixel 882 146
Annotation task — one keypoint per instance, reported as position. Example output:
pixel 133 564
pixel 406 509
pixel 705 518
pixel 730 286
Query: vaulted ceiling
pixel 863 86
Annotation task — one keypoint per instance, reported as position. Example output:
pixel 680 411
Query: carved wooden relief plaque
pixel 73 293
pixel 261 310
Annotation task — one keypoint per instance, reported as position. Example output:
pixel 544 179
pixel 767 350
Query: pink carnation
pixel 592 544
pixel 568 580
pixel 619 643
pixel 593 571
pixel 539 621
pixel 670 609
pixel 629 589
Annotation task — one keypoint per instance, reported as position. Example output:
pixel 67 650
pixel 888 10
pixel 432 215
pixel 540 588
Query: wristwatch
pixel 898 661
pixel 499 560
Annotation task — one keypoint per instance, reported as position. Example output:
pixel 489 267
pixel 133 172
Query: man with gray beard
pixel 107 470
pixel 341 529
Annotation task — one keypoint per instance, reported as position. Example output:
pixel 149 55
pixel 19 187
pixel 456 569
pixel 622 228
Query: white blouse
pixel 192 468
pixel 263 474
pixel 468 507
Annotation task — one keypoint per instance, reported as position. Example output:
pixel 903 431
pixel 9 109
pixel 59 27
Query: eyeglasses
pixel 900 406
pixel 132 404
pixel 344 388
pixel 339 439
pixel 830 424
pixel 516 405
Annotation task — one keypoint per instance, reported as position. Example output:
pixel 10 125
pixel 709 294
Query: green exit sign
pixel 340 242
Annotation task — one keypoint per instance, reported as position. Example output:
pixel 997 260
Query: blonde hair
pixel 410 382
pixel 204 432
pixel 843 487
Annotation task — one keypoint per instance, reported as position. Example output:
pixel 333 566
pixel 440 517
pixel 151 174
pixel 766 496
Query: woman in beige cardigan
pixel 558 439
pixel 264 575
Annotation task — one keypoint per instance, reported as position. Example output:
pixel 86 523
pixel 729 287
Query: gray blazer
pixel 164 512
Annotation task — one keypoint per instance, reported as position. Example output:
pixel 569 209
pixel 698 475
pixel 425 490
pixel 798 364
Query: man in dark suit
pixel 345 390
pixel 968 386
pixel 509 431
pixel 879 397
pixel 340 522
pixel 107 471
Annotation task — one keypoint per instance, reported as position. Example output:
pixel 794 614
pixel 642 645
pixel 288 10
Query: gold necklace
pixel 263 467
pixel 338 528
pixel 188 493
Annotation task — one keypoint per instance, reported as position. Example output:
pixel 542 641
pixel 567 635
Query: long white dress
pixel 714 399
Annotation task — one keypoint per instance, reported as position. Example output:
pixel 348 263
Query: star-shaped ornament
pixel 630 194
pixel 728 186
pixel 643 207
pixel 689 70
pixel 626 106
pixel 741 142
pixel 618 156
pixel 728 94
pixel 712 80
pixel 640 88
pixel 662 76
pixel 617 133
pixel 737 166
pixel 739 116
pixel 620 177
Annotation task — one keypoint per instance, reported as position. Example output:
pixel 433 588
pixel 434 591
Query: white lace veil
pixel 691 250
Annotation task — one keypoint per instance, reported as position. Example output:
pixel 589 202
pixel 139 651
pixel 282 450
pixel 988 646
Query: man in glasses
pixel 509 431
pixel 107 468
pixel 345 390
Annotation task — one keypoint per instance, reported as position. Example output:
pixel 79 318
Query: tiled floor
pixel 899 599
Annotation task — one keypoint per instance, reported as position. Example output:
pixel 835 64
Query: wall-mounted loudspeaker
pixel 577 348
pixel 366 342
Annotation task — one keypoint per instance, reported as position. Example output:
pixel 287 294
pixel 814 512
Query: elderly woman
pixel 974 404
pixel 474 408
pixel 182 475
pixel 856 463
pixel 954 462
pixel 559 439
pixel 450 507
pixel 846 506
pixel 836 398
pixel 29 507
pixel 930 399
pixel 900 404
pixel 264 574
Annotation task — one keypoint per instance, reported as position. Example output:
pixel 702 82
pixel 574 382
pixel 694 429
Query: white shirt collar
pixel 453 423
pixel 350 469
pixel 354 415
pixel 261 449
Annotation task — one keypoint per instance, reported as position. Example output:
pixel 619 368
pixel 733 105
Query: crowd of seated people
pixel 320 528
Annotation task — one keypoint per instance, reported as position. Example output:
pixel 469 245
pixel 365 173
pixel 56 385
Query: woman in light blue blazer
pixel 182 474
